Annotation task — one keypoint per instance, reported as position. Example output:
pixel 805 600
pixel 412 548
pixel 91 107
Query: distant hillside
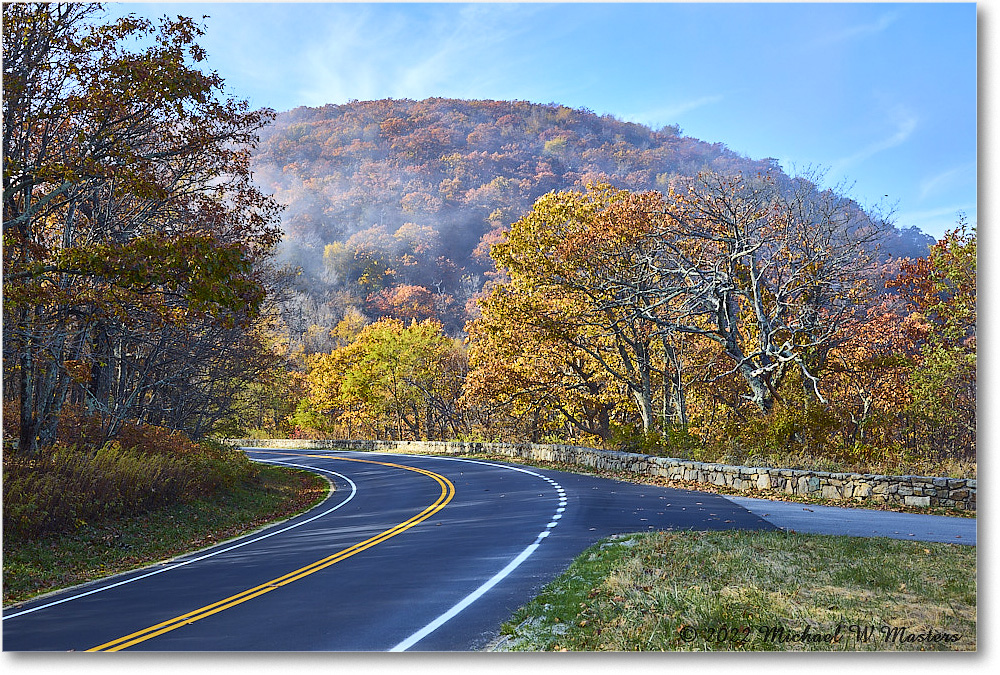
pixel 392 204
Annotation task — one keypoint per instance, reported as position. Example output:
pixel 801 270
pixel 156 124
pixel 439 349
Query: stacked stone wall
pixel 905 490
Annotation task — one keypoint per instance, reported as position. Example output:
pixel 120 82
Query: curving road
pixel 408 553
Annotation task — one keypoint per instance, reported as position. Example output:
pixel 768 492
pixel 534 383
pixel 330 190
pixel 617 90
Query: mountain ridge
pixel 397 195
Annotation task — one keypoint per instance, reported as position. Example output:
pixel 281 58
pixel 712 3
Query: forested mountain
pixel 392 205
pixel 452 269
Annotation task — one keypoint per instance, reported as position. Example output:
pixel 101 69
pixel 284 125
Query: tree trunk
pixel 673 384
pixel 645 404
pixel 761 394
pixel 26 391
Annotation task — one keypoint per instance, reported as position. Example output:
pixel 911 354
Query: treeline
pixel 136 248
pixel 392 205
pixel 495 270
pixel 730 316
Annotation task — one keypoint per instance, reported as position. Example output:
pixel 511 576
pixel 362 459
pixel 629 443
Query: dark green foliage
pixel 788 428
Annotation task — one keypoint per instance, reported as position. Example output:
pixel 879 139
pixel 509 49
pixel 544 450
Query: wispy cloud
pixel 378 54
pixel 672 113
pixel 905 124
pixel 941 181
pixel 858 31
pixel 350 61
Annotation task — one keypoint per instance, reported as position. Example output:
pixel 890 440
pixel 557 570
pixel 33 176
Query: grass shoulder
pixel 39 565
pixel 754 591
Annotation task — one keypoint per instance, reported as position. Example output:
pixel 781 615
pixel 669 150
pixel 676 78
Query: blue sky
pixel 881 96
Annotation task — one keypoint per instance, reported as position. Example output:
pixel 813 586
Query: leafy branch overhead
pixel 168 277
pixel 130 215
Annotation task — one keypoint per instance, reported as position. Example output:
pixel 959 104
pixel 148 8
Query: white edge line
pixel 354 491
pixel 494 580
pixel 467 600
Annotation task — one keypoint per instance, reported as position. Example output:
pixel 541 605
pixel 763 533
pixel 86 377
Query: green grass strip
pixel 754 591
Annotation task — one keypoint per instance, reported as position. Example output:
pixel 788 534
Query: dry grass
pixel 755 591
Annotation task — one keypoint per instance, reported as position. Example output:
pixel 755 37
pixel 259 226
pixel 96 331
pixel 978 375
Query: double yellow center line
pixel 447 493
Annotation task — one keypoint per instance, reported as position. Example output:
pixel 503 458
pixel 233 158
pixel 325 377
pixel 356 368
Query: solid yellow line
pixel 447 493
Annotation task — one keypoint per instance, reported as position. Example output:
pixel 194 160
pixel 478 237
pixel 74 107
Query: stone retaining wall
pixel 908 490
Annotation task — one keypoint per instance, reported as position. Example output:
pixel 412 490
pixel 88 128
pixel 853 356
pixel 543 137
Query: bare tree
pixel 769 272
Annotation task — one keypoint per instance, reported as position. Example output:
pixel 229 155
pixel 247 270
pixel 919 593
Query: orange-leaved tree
pixel 941 292
pixel 770 270
pixel 599 350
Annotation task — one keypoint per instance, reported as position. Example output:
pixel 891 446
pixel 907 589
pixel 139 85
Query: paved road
pixel 861 522
pixel 400 547
pixel 408 553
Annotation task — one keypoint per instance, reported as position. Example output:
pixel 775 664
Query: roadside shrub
pixel 672 442
pixel 788 428
pixel 631 438
pixel 143 469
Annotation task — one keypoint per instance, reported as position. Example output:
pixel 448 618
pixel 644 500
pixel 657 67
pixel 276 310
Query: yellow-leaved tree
pixel 392 380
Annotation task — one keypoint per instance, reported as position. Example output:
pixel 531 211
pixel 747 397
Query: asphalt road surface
pixel 409 552
pixel 813 519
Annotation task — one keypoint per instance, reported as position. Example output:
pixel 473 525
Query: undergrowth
pixel 79 481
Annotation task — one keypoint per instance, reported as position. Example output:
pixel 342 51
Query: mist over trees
pixel 392 205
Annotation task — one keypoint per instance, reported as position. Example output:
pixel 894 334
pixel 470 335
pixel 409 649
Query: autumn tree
pixel 392 381
pixel 940 290
pixel 524 379
pixel 557 258
pixel 404 302
pixel 867 375
pixel 134 239
pixel 771 274
pixel 263 403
